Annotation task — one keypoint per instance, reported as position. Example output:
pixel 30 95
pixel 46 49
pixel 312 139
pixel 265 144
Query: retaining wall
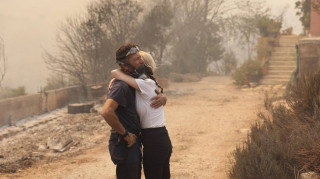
pixel 15 109
pixel 309 60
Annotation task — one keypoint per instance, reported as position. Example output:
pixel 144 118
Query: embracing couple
pixel 134 110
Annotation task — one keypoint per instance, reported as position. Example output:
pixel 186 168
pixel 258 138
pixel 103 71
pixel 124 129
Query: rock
pixel 245 86
pixel 92 110
pixel 253 84
pixel 42 147
pixel 80 128
pixel 309 175
pixel 58 144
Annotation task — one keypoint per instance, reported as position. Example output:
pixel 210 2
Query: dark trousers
pixel 157 149
pixel 128 171
pixel 127 159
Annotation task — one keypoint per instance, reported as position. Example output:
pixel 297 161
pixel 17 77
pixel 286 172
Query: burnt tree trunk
pixel 80 108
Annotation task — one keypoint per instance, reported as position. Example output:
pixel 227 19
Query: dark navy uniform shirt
pixel 125 96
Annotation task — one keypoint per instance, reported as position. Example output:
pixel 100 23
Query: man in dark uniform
pixel 120 113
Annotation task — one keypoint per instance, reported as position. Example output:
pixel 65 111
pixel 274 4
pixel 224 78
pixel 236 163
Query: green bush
pixel 264 47
pixel 250 68
pixel 287 142
pixel 239 76
pixel 269 27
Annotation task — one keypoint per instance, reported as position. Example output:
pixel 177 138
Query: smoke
pixel 27 27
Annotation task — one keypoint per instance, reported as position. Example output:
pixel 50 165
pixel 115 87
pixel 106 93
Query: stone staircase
pixel 282 62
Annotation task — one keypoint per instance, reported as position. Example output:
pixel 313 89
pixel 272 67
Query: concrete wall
pixel 14 109
pixel 309 51
pixel 314 24
pixel 61 97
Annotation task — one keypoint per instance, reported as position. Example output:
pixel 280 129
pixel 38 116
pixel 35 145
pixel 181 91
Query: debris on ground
pixel 50 137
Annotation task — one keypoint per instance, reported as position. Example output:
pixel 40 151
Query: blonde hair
pixel 148 60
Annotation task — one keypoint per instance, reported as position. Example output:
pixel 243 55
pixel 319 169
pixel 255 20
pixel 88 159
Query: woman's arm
pixel 118 74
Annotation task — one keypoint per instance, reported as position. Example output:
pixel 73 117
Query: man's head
pixel 128 58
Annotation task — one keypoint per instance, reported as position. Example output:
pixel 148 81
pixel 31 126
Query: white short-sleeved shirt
pixel 149 117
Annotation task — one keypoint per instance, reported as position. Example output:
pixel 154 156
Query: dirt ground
pixel 206 120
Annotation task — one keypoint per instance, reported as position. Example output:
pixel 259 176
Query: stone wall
pixel 15 109
pixel 61 97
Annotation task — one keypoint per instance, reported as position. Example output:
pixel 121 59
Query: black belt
pixel 154 129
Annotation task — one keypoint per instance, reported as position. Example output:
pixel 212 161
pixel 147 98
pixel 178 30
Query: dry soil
pixel 206 120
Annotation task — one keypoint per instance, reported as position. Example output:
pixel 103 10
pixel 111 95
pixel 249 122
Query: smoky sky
pixel 28 26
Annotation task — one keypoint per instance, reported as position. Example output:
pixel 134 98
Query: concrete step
pixel 288 39
pixel 280 72
pixel 289 36
pixel 288 44
pixel 282 77
pixel 282 63
pixel 274 82
pixel 284 49
pixel 285 40
pixel 285 68
pixel 281 53
pixel 277 77
pixel 282 58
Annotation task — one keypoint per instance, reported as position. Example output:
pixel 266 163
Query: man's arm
pixel 109 115
pixel 159 100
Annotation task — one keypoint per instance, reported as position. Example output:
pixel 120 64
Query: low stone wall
pixel 61 97
pixel 15 109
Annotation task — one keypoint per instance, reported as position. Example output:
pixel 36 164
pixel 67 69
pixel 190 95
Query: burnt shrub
pixel 287 141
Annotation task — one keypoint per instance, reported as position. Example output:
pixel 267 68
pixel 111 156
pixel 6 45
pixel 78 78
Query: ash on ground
pixel 49 137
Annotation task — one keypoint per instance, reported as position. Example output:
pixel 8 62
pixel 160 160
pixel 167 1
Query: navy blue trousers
pixel 127 159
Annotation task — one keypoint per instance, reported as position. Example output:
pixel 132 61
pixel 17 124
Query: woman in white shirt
pixel 157 146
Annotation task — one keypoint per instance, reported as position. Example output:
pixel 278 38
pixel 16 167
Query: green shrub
pixel 250 68
pixel 268 26
pixel 239 76
pixel 287 142
pixel 264 47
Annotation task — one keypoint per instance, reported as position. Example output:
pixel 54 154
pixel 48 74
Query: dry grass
pixel 287 143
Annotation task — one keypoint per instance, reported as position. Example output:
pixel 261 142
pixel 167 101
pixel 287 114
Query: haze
pixel 28 26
